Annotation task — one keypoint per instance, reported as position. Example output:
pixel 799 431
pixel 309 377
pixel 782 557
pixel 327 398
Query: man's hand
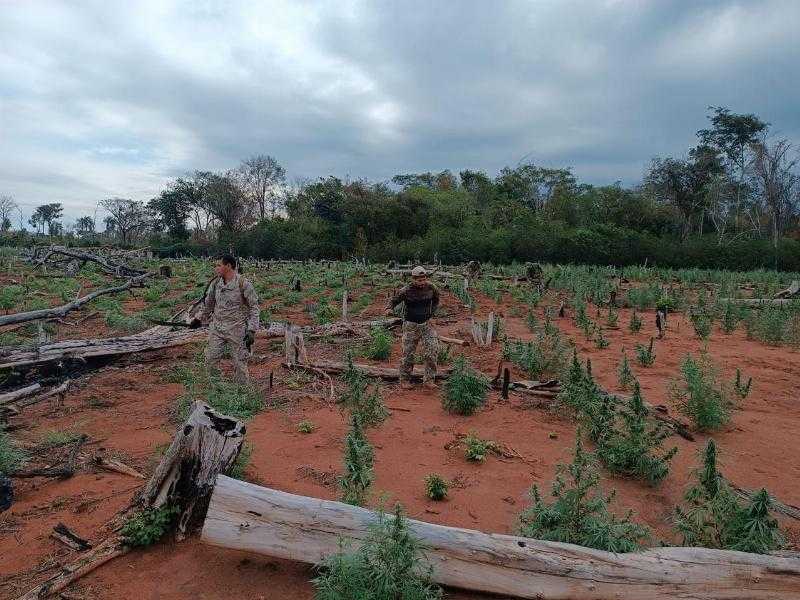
pixel 249 339
pixel 195 324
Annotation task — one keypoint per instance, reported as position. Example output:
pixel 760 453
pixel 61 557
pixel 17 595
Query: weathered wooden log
pixel 756 302
pixel 16 395
pixel 115 268
pixel 207 444
pixel 451 340
pixel 60 311
pixel 386 373
pixel 782 508
pixel 248 517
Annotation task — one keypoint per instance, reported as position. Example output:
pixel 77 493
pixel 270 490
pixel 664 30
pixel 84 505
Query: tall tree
pixel 130 217
pixel 7 207
pixel 174 206
pixel 263 181
pixel 534 186
pixel 47 215
pixel 84 226
pixel 777 182
pixel 223 199
pixel 733 134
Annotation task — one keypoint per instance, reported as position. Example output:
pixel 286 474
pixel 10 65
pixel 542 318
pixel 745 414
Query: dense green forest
pixel 731 202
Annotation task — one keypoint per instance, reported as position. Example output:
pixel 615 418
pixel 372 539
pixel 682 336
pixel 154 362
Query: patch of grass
pixel 390 564
pixel 237 471
pixel 10 297
pixel 227 397
pixel 544 356
pixel 59 437
pixel 148 526
pixel 465 390
pixel 436 487
pixel 11 457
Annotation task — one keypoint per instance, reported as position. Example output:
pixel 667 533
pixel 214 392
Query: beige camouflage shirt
pixel 231 306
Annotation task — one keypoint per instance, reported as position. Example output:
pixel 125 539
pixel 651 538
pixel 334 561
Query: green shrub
pixel 730 318
pixel 323 312
pixel 476 448
pixel 436 487
pixel 635 324
pixel 358 462
pixel 362 400
pixel 579 392
pixel 634 447
pixel 579 513
pixel 148 526
pixel 11 457
pixel 741 388
pixel 241 401
pixel 390 564
pixel 531 321
pixel 380 344
pixel 600 341
pixel 544 356
pixel 645 354
pixel 306 426
pixel 10 295
pixel 699 396
pixel 712 516
pixel 443 354
pixel 625 374
pixel 465 390
pixel 612 320
pixel 702 324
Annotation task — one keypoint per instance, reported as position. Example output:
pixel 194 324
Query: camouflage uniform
pixel 420 305
pixel 233 310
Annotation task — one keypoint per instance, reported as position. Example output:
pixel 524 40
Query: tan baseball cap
pixel 418 272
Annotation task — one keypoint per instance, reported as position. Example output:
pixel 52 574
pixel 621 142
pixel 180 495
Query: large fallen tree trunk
pixel 761 301
pixel 336 367
pixel 243 516
pixel 60 311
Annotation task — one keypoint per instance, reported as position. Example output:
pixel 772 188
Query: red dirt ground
pixel 126 412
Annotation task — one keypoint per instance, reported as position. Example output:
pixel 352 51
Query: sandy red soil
pixel 126 412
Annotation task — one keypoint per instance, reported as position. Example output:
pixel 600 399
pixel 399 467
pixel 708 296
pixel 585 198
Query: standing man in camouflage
pixel 421 299
pixel 232 306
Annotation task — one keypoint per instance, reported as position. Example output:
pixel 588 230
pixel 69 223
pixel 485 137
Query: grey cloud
pixel 99 98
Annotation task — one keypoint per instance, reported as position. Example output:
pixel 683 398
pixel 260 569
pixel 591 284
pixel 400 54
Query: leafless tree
pixel 777 182
pixel 263 181
pixel 130 217
pixel 7 208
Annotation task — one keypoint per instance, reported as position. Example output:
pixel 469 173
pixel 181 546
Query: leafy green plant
pixel 730 318
pixel 699 396
pixel 306 426
pixel 436 487
pixel 741 388
pixel 362 400
pixel 712 516
pixel 645 354
pixel 600 341
pixel 702 324
pixel 390 564
pixel 626 377
pixel 323 312
pixel 10 295
pixel 443 354
pixel 545 355
pixel 354 484
pixel 579 513
pixel 634 447
pixel 476 448
pixel 380 344
pixel 465 390
pixel 612 320
pixel 635 324
pixel 11 457
pixel 241 401
pixel 148 526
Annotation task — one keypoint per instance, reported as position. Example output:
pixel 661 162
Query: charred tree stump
pixel 207 445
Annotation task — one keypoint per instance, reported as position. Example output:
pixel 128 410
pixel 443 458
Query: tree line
pixel 732 201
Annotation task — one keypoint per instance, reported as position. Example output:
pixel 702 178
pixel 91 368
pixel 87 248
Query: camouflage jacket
pixel 232 305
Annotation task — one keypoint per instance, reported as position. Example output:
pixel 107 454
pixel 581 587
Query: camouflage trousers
pixel 413 334
pixel 234 339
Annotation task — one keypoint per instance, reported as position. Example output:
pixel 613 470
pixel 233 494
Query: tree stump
pixel 165 271
pixel 207 445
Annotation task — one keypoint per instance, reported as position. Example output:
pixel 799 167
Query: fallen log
pixel 243 516
pixel 118 269
pixel 16 395
pixel 760 301
pixel 386 373
pixel 779 507
pixel 453 341
pixel 60 311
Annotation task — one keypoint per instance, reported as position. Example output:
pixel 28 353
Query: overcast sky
pixel 114 98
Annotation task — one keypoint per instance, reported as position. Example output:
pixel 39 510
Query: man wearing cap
pixel 421 298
